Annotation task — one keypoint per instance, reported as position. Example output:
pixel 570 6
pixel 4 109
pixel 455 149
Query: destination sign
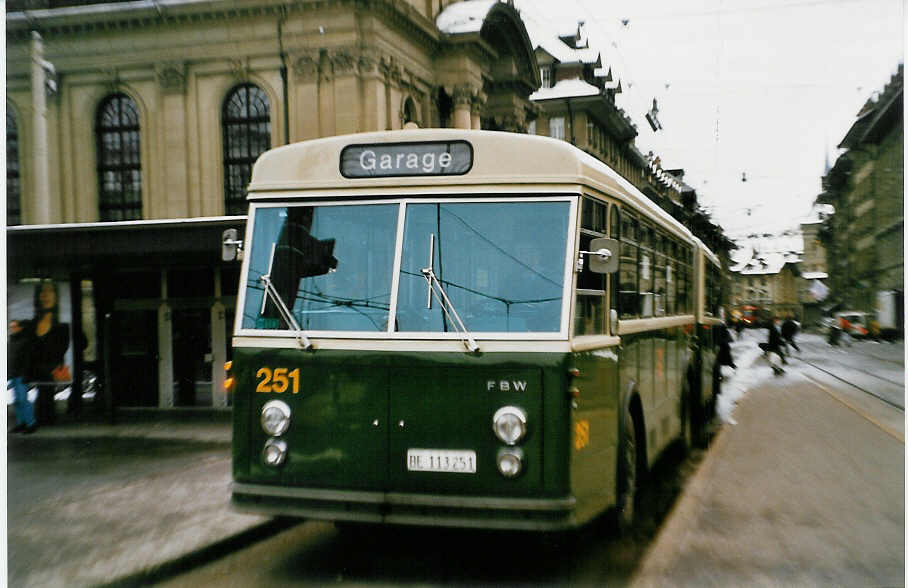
pixel 384 160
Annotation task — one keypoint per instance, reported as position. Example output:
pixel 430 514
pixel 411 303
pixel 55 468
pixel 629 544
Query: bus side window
pixel 659 276
pixel 684 281
pixel 589 317
pixel 627 270
pixel 646 268
pixel 671 279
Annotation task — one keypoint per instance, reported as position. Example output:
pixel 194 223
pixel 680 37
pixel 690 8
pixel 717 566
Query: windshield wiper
pixel 285 313
pixel 436 289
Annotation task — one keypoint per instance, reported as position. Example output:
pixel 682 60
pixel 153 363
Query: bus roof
pixel 498 158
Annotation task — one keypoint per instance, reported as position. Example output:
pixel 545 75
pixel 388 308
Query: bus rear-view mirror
pixel 603 255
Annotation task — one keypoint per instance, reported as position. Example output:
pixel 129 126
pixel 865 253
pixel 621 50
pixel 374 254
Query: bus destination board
pixel 385 160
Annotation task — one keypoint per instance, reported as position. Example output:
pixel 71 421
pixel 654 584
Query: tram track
pixel 856 385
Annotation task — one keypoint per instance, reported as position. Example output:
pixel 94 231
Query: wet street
pixel 803 484
pixel 318 553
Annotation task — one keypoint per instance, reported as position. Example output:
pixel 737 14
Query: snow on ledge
pixel 565 89
pixel 464 17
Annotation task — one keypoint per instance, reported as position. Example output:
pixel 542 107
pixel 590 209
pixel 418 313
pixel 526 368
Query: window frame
pixel 245 125
pixel 478 197
pixel 122 165
pixel 559 134
pixel 13 179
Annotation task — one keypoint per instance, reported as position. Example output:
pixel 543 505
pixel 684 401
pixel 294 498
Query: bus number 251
pixel 277 380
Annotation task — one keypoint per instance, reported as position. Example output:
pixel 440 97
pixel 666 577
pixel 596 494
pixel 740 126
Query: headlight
pixel 275 452
pixel 275 417
pixel 509 424
pixel 510 462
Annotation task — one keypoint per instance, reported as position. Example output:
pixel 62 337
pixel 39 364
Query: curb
pixel 678 520
pixel 203 555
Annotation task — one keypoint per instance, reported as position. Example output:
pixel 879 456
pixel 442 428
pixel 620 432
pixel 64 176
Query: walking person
pixel 774 345
pixel 789 330
pixel 18 368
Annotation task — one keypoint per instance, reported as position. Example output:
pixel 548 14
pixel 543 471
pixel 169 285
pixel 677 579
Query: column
pixel 40 165
pixel 165 348
pixel 172 82
pixel 218 345
pixel 463 102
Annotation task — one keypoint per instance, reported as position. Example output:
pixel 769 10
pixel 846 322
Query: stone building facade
pixel 133 126
pixel 183 72
pixel 865 236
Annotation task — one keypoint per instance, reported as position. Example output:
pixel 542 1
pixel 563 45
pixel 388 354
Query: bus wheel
pixel 628 477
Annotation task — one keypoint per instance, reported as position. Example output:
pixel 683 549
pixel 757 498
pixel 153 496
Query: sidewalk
pixel 94 504
pixel 799 488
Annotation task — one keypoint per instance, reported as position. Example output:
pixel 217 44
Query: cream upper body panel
pixel 508 162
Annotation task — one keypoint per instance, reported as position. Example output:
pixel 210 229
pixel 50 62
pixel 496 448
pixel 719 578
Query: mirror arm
pixel 604 254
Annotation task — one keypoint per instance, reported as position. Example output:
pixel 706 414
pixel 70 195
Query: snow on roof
pixel 565 89
pixel 464 17
pixel 814 275
pixel 768 264
pixel 556 48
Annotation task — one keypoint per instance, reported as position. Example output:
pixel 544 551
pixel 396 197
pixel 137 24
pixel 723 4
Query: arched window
pixel 119 159
pixel 13 191
pixel 246 120
pixel 409 112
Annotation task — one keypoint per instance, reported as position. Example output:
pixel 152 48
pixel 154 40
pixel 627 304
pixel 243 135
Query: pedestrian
pixel 724 356
pixel 789 330
pixel 18 367
pixel 49 341
pixel 774 345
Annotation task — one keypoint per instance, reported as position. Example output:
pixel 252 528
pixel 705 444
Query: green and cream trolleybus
pixel 461 328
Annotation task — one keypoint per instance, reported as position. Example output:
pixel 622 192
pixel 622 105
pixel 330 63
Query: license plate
pixel 454 461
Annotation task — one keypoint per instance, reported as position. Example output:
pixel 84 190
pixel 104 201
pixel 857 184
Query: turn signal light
pixel 228 366
pixel 228 384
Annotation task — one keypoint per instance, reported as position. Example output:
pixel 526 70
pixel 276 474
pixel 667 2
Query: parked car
pixel 854 322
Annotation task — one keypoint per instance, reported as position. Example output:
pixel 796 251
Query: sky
pixel 762 89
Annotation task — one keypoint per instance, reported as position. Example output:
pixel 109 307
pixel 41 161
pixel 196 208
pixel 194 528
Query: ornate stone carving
pixel 343 62
pixel 239 68
pixel 464 95
pixel 367 63
pixel 307 66
pixel 111 79
pixel 478 103
pixel 171 76
pixel 390 69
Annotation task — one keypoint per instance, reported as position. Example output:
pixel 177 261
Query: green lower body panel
pixel 407 509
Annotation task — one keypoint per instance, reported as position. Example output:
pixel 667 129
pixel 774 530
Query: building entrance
pixel 192 357
pixel 134 337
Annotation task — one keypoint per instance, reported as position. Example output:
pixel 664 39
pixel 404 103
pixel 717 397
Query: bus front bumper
pixel 529 514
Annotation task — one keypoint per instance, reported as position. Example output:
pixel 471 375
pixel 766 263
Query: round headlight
pixel 275 417
pixel 509 424
pixel 510 462
pixel 275 452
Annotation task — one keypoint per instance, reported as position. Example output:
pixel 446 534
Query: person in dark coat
pixel 724 356
pixel 18 368
pixel 50 339
pixel 789 330
pixel 775 344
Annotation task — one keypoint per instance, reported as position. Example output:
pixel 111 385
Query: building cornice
pixel 145 13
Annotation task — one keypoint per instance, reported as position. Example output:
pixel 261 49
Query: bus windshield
pixel 502 264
